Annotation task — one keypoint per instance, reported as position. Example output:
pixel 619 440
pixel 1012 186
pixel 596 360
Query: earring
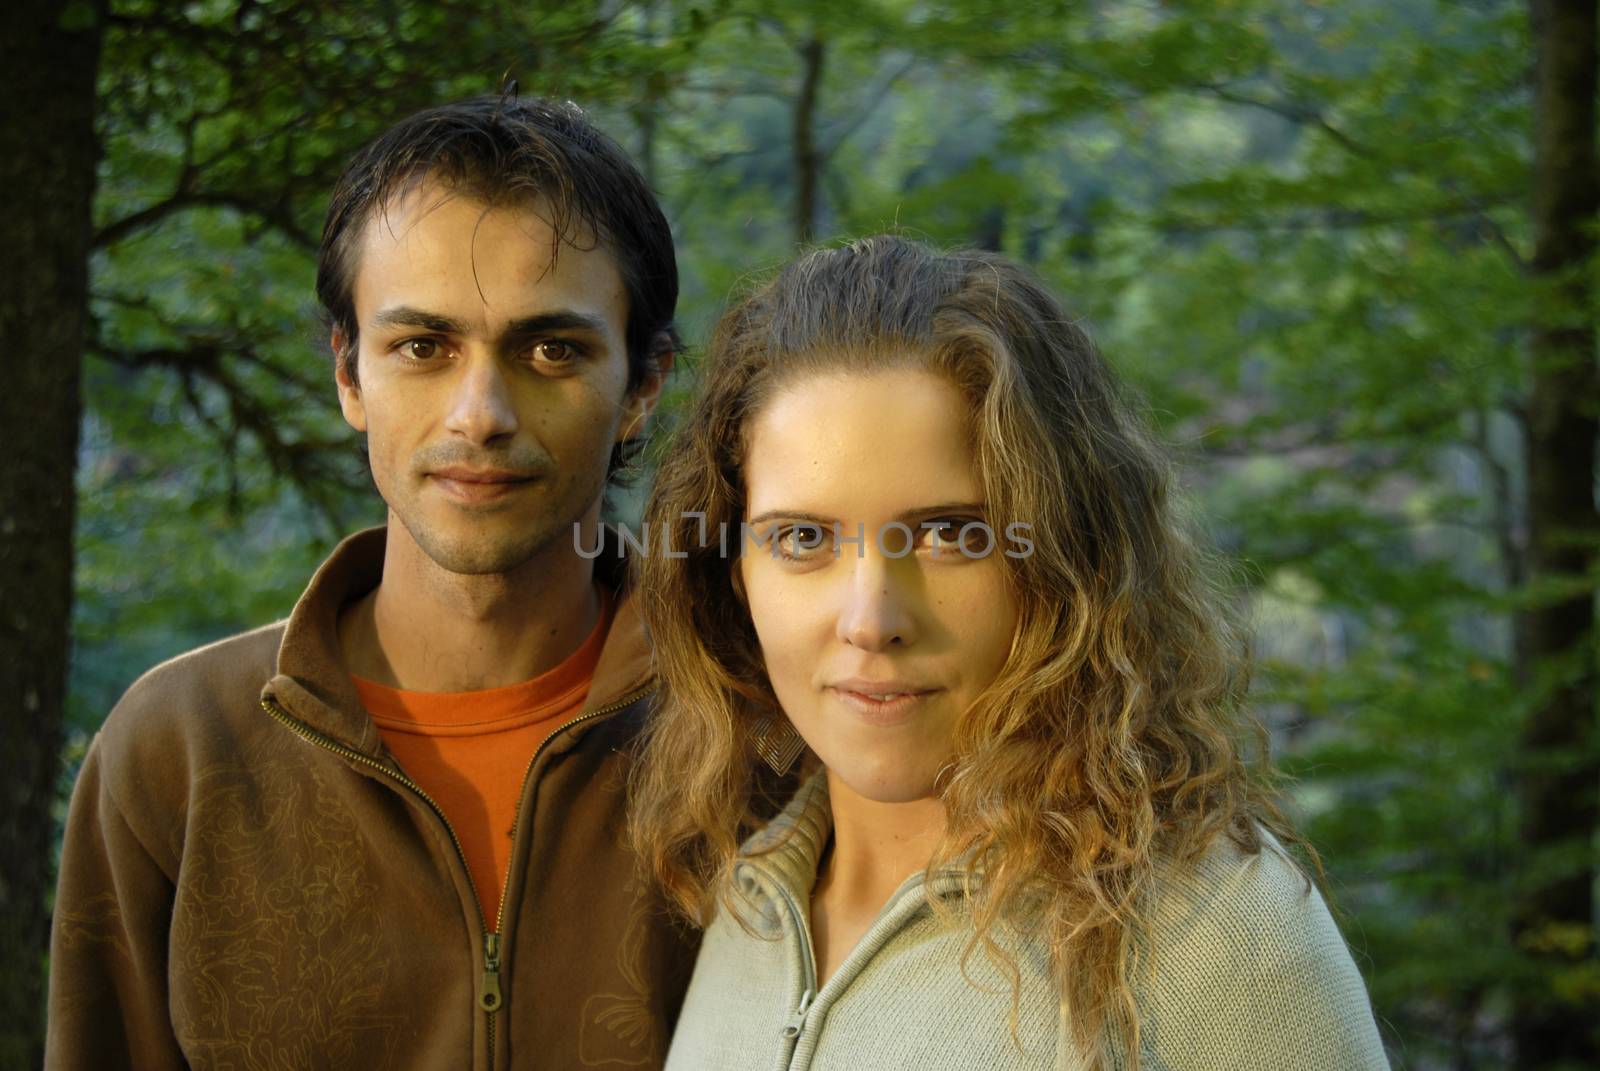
pixel 777 742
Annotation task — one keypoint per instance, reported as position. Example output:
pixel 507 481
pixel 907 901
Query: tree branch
pixel 1334 219
pixel 1297 113
pixel 306 462
pixel 277 216
pixel 865 112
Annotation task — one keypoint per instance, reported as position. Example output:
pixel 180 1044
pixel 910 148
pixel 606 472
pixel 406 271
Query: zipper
pixel 489 995
pixel 609 708
pixel 489 992
pixel 797 1021
pixel 306 732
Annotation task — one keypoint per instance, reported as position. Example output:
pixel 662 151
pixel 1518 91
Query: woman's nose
pixel 877 612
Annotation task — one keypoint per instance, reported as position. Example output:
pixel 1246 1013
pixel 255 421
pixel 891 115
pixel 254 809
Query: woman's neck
pixel 875 847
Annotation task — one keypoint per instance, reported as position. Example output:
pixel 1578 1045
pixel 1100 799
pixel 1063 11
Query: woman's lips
pixel 883 706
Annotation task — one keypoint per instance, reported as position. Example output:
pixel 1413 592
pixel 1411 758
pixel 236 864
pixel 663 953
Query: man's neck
pixel 425 629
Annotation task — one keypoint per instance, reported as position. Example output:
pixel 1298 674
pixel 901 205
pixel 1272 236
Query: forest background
pixel 1343 249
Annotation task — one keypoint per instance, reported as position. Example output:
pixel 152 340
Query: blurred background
pixel 1343 249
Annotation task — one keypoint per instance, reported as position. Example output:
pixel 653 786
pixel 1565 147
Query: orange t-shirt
pixel 469 751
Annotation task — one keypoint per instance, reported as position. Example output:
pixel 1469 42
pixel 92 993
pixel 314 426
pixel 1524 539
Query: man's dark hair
pixel 500 149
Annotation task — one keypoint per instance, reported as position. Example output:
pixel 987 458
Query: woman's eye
pixel 967 536
pixel 419 349
pixel 799 542
pixel 551 351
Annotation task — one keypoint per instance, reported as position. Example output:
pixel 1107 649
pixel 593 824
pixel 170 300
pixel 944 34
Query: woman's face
pixel 875 646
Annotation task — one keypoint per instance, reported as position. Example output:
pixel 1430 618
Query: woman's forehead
pixel 852 443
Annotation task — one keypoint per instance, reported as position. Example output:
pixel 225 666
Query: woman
pixel 913 530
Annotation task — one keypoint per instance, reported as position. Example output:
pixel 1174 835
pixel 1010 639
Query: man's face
pixel 492 381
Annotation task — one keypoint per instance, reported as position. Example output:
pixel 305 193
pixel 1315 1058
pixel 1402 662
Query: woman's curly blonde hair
pixel 1112 740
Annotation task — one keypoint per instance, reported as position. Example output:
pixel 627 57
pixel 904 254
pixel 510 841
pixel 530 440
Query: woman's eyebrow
pixel 790 515
pixel 922 513
pixel 911 516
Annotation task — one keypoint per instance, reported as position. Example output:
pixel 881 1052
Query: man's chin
pixel 482 553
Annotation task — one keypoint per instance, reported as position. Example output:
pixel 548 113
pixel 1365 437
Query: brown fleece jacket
pixel 248 881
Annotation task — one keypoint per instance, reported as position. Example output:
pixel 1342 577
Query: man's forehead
pixel 415 199
pixel 437 210
pixel 431 244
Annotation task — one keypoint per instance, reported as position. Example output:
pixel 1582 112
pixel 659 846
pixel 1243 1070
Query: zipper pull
pixel 797 1021
pixel 489 991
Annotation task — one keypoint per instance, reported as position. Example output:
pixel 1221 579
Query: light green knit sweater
pixel 1249 973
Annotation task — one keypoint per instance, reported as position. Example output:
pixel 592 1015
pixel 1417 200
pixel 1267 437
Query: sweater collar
pixel 784 854
pixel 789 848
pixel 313 685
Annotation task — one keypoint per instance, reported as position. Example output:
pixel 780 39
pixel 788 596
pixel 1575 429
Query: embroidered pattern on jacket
pixel 278 945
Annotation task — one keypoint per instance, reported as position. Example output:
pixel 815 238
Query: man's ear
pixel 637 406
pixel 344 368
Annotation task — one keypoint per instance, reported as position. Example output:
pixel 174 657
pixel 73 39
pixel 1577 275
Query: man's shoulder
pixel 199 691
pixel 197 711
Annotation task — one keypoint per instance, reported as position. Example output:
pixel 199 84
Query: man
pixel 386 833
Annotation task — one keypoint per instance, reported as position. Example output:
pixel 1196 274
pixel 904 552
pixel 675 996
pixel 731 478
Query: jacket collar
pixel 313 685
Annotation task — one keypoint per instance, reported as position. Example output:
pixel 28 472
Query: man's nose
pixel 877 612
pixel 481 408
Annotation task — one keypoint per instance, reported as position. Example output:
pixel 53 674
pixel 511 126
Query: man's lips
pixel 461 474
pixel 479 485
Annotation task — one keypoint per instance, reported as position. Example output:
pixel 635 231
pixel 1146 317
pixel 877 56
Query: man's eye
pixel 419 349
pixel 554 351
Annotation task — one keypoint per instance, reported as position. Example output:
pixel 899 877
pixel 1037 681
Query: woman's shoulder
pixel 1241 965
pixel 1238 902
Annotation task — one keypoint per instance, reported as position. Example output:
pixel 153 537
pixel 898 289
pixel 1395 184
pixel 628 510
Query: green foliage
pixel 1299 229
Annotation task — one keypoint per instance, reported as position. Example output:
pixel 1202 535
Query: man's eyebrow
pixel 555 320
pixel 408 316
pixel 542 323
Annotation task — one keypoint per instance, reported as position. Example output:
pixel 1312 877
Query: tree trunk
pixel 991 230
pixel 654 91
pixel 1559 775
pixel 48 58
pixel 807 158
